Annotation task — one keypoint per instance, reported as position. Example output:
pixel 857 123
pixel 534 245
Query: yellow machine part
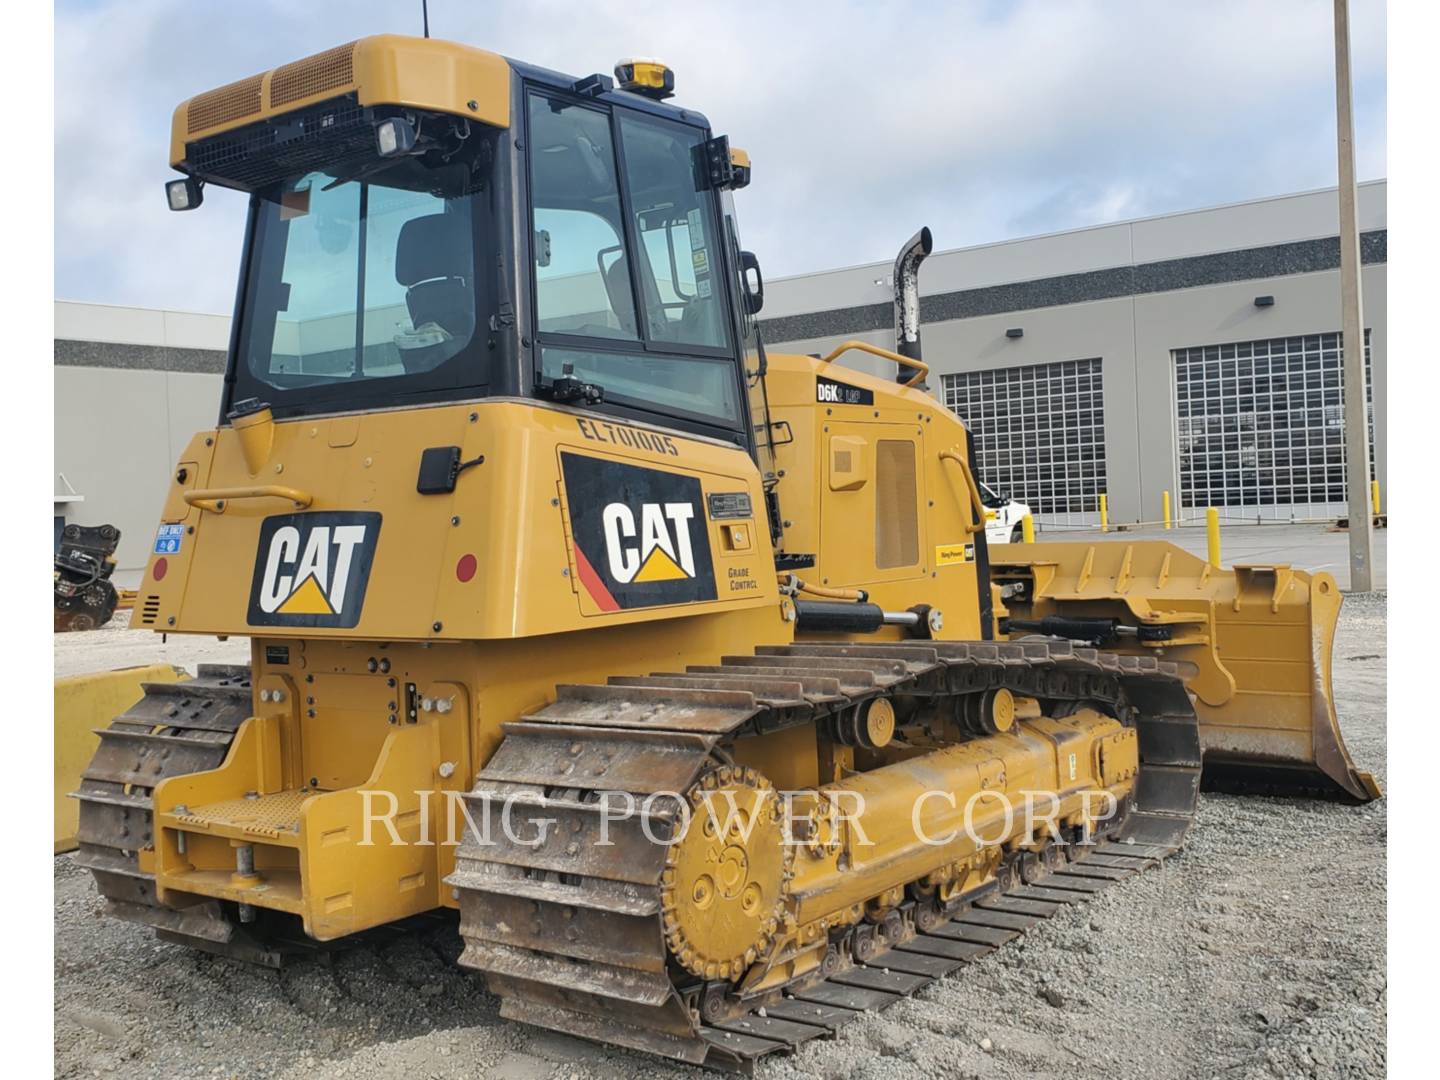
pixel 1259 635
pixel 388 69
pixel 82 704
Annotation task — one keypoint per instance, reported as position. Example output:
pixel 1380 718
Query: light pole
pixel 1357 433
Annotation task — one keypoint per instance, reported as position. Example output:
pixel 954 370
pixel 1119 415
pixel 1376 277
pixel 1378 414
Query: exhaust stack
pixel 907 299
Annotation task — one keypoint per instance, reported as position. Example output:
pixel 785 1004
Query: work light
pixel 184 194
pixel 394 137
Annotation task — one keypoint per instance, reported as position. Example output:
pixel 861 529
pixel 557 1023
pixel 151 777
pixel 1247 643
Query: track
pixel 175 728
pixel 578 937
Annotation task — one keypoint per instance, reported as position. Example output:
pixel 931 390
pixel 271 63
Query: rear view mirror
pixel 753 290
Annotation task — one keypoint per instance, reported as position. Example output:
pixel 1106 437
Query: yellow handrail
pixel 214 499
pixel 976 503
pixel 922 368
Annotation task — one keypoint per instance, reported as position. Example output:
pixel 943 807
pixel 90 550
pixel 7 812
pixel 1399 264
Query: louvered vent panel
pixel 150 610
pixel 897 524
pixel 316 74
pixel 224 105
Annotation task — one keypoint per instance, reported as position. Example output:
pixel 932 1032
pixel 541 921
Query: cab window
pixel 626 262
pixel 675 221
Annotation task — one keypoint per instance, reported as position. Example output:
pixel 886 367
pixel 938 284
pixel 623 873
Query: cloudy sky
pixel 981 118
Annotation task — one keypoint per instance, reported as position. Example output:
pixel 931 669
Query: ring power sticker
pixel 640 535
pixel 169 539
pixel 313 569
pixel 949 554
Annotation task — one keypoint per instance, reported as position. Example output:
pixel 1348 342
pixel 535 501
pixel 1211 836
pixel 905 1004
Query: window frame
pixel 642 346
pixel 469 374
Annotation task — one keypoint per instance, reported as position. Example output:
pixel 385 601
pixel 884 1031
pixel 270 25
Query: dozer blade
pixel 1260 637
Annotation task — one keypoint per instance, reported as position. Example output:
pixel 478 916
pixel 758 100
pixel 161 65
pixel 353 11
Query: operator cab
pixel 399 255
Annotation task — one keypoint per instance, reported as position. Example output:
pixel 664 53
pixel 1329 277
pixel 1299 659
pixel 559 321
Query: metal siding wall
pixel 118 434
pixel 1134 337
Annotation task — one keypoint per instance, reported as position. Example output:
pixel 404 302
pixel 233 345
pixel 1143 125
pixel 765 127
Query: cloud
pixel 864 120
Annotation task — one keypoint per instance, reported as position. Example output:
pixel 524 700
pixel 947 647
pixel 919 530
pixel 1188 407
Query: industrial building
pixel 1196 353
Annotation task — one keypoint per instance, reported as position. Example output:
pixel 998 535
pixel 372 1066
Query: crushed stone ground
pixel 1257 953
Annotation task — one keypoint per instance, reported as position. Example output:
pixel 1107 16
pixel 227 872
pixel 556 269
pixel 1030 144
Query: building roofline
pixel 142 307
pixel 990 244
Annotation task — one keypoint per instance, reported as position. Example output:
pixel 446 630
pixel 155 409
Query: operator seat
pixel 433 261
pixel 617 290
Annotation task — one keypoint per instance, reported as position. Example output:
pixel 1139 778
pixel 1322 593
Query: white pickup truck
pixel 1002 516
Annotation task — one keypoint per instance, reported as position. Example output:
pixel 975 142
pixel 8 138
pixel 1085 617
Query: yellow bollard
pixel 1104 513
pixel 1027 529
pixel 1212 535
pixel 1375 497
pixel 1165 505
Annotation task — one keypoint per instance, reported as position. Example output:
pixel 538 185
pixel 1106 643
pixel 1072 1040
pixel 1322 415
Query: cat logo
pixel 313 569
pixel 663 552
pixel 639 536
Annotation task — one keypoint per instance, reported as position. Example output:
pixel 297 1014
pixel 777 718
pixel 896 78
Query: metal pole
pixel 1212 536
pixel 1357 434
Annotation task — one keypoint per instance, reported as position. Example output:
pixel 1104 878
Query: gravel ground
pixel 115 645
pixel 1258 952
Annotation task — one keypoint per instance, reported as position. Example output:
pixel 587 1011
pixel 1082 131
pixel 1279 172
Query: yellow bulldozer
pixel 681 670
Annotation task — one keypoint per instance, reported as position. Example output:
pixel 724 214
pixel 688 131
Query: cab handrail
pixel 215 499
pixel 922 368
pixel 976 503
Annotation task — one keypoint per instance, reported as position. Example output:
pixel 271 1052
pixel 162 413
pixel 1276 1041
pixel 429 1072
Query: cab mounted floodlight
pixel 394 137
pixel 184 194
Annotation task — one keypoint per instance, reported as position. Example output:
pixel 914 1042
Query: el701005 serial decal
pixel 603 431
pixel 640 535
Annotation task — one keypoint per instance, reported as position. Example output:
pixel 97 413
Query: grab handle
pixel 215 499
pixel 976 503
pixel 922 368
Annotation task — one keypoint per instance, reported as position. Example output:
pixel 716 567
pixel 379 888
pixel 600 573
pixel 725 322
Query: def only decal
pixel 313 569
pixel 640 535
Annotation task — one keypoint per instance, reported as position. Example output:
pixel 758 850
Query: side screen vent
pixel 224 104
pixel 318 74
pixel 150 610
pixel 897 515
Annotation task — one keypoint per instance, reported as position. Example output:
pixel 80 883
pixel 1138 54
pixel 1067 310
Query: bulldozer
pixel 678 673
